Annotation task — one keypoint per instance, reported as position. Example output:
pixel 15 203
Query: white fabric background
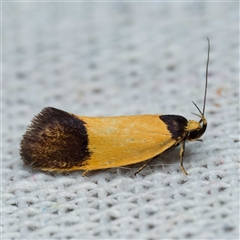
pixel 101 59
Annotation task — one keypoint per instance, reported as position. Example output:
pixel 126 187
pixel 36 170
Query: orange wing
pixel 119 141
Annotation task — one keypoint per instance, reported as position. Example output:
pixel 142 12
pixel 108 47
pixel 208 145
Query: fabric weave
pixel 122 58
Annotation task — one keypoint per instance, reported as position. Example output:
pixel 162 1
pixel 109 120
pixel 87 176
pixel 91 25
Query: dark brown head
pixel 196 129
pixel 183 130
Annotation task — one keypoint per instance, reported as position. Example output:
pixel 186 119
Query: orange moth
pixel 60 141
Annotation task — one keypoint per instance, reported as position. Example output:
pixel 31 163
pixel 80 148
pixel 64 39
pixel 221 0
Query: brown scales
pixel 55 140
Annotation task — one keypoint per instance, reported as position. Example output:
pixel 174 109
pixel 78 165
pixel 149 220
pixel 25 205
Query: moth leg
pixel 144 165
pixel 85 172
pixel 182 149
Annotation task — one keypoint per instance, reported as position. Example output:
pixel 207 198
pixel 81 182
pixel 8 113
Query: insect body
pixel 59 141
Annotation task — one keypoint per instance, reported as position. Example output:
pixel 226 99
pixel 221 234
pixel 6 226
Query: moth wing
pixel 119 141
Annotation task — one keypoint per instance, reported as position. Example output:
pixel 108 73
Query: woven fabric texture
pixel 122 58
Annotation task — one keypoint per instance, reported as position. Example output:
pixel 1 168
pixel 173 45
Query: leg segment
pixel 182 149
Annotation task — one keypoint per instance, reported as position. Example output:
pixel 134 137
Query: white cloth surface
pixel 106 59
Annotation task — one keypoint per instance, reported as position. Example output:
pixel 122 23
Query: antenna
pixel 206 83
